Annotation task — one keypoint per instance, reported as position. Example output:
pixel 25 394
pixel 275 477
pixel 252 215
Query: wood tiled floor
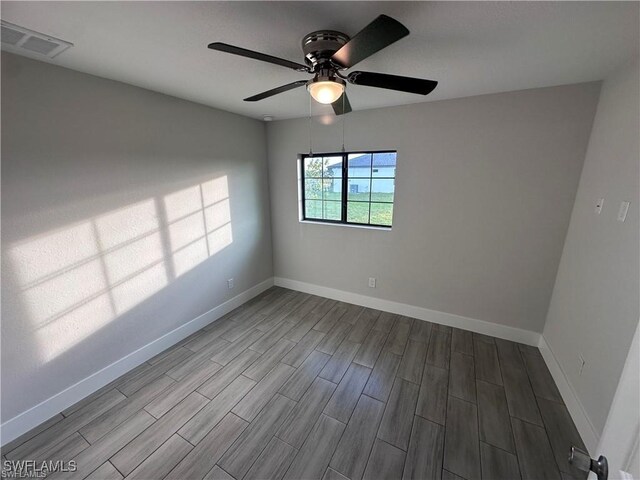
pixel 296 386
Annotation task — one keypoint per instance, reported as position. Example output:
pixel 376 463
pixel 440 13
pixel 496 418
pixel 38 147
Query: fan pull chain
pixel 344 94
pixel 310 149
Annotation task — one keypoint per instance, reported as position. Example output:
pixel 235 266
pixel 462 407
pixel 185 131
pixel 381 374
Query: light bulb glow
pixel 326 92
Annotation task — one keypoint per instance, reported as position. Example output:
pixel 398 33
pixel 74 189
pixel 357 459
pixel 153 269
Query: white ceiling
pixel 471 48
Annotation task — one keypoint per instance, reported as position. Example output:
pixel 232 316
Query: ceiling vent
pixel 27 42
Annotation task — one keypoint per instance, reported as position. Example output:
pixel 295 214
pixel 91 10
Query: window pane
pixel 332 188
pixel 313 167
pixel 358 212
pixel 332 211
pixel 313 209
pixel 384 165
pixel 381 214
pixel 359 165
pixel 332 167
pixel 359 189
pixel 313 189
pixel 382 189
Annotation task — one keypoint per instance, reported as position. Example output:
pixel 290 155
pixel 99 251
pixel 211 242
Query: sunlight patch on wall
pixel 58 272
pixel 195 217
pixel 135 221
pixel 215 191
pixel 38 258
pixel 133 256
pixel 76 280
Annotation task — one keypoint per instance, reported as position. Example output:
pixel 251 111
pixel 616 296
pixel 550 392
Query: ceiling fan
pixel 328 53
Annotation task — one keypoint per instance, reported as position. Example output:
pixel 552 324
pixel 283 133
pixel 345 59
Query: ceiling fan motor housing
pixel 318 47
pixel 326 75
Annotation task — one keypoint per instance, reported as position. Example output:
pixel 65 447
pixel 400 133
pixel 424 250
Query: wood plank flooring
pixel 294 386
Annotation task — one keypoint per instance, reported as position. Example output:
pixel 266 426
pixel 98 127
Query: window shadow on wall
pixel 76 280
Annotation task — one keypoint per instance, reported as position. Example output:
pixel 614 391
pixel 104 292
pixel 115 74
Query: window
pixel 352 188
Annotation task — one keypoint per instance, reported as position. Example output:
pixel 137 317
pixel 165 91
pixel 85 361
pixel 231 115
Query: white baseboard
pixel 479 326
pixel 586 429
pixel 33 417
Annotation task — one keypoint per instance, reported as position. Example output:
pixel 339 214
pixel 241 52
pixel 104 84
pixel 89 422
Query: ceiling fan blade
pixel 393 82
pixel 275 91
pixel 243 52
pixel 380 33
pixel 342 105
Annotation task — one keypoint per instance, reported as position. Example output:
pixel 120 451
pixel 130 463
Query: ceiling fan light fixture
pixel 325 91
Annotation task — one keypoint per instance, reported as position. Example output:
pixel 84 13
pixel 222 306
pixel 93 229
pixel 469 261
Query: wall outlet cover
pixel 599 203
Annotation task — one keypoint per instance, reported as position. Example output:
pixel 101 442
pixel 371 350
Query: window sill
pixel 348 225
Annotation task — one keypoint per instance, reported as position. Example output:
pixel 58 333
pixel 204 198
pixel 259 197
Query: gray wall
pixel 107 190
pixel 594 308
pixel 484 191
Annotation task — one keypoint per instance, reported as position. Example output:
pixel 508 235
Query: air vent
pixel 28 42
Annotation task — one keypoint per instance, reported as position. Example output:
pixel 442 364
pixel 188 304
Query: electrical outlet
pixel 582 363
pixel 598 208
pixel 372 282
pixel 230 283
